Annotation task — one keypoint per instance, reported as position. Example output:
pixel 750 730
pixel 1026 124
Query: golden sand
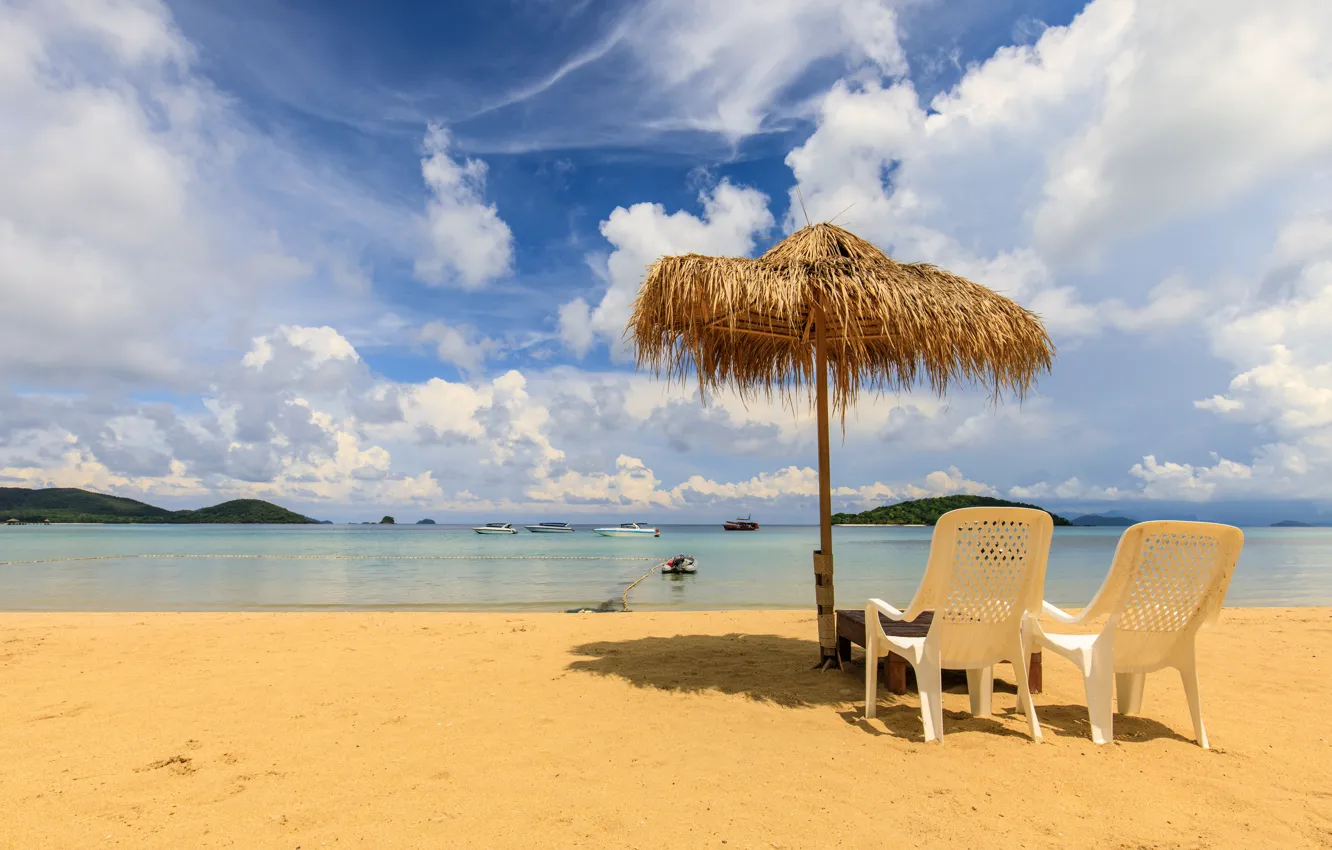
pixel 639 730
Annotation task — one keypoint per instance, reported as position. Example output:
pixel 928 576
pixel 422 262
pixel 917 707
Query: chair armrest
pixel 1058 614
pixel 884 608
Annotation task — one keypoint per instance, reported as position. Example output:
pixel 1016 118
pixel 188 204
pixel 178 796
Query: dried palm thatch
pixel 747 324
pixel 825 302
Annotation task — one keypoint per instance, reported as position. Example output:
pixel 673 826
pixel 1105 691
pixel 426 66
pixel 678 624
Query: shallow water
pixel 404 567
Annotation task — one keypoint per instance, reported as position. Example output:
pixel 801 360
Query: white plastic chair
pixel 1168 580
pixel 984 578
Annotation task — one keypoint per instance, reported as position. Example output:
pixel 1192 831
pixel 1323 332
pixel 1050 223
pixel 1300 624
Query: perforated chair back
pixel 1169 579
pixel 986 572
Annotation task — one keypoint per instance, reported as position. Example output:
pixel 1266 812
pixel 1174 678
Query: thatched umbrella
pixel 826 301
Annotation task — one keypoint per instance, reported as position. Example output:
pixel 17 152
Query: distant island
pixel 1294 523
pixel 1113 520
pixel 69 504
pixel 425 522
pixel 928 511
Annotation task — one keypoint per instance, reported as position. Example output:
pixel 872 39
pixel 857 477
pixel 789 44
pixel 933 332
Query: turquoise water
pixel 449 567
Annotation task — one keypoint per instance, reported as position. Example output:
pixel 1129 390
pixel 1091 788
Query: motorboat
pixel 683 564
pixel 742 524
pixel 496 528
pixel 550 528
pixel 629 529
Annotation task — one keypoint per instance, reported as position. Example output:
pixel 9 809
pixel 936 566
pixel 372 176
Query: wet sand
pixel 640 730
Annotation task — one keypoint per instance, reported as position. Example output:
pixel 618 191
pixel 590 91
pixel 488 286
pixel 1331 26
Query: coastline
pixel 504 729
pixel 879 525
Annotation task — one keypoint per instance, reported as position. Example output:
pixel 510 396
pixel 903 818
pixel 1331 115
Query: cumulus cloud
pixel 144 224
pixel 633 484
pixel 794 481
pixel 1149 154
pixel 1129 120
pixel 1276 339
pixel 1071 488
pixel 1113 175
pixel 97 208
pixel 285 423
pixel 1184 481
pixel 462 345
pixel 733 216
pixel 469 244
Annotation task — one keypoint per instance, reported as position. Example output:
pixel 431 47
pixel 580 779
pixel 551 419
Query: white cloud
pixel 462 346
pixel 442 409
pixel 1219 404
pixel 1182 126
pixel 470 244
pixel 733 216
pixel 631 485
pixel 1170 303
pixel 804 482
pixel 1131 119
pixel 303 421
pixel 731 69
pixel 725 65
pixel 1184 481
pixel 1277 339
pixel 1071 488
pixel 1112 175
pixel 96 213
pixel 322 344
pixel 144 225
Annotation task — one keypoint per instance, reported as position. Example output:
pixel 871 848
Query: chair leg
pixel 1188 674
pixel 1129 692
pixel 1098 677
pixel 929 681
pixel 1025 704
pixel 980 687
pixel 871 677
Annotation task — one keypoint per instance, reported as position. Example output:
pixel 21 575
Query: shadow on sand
pixel 780 670
pixel 769 668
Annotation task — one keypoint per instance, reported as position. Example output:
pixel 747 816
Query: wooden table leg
pixel 1034 673
pixel 895 670
pixel 844 648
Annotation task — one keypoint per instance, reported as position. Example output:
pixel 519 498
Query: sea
pixel 447 567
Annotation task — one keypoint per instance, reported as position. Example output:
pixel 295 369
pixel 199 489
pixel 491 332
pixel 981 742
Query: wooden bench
pixel 851 629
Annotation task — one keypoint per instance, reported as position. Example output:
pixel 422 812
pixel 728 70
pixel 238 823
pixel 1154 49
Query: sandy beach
pixel 640 730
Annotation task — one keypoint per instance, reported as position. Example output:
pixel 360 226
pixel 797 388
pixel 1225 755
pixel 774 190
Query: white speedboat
pixel 550 528
pixel 496 528
pixel 629 529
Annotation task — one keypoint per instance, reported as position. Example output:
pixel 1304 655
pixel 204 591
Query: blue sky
pixel 359 258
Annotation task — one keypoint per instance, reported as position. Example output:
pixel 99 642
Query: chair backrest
pixel 1168 579
pixel 986 572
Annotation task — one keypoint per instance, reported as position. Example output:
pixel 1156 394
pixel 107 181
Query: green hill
pixel 67 504
pixel 1105 520
pixel 243 511
pixel 928 511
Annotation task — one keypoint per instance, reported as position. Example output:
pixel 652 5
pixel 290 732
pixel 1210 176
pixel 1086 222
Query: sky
pixel 377 258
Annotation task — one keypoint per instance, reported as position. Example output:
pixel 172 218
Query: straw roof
pixel 747 324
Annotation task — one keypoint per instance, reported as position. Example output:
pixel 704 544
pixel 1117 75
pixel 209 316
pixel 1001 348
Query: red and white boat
pixel 744 524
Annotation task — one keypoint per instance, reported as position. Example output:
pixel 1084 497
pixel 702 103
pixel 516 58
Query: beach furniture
pixel 983 581
pixel 827 313
pixel 1167 580
pixel 851 630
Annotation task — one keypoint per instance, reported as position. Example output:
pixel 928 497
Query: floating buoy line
pixel 678 564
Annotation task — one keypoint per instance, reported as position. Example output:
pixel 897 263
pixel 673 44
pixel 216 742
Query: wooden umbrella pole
pixel 823 557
